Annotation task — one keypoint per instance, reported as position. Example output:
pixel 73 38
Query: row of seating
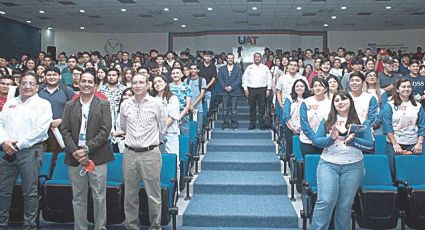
pixel 380 201
pixel 56 193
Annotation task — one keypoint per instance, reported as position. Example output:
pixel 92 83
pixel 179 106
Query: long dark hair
pixel 352 114
pixel 396 96
pixel 167 92
pixel 294 95
pixel 122 97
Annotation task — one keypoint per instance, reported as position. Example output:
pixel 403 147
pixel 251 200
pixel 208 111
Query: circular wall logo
pixel 113 46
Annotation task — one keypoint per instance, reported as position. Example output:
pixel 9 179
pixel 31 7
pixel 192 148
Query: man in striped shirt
pixel 144 121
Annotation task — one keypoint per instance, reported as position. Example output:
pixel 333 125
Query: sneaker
pixel 225 126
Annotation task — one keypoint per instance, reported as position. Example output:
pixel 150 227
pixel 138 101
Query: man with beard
pixel 325 68
pixel 356 66
pixel 57 94
pixel 113 90
pixel 87 139
pixel 67 72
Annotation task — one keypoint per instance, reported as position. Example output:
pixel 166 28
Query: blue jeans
pixel 26 165
pixel 336 188
pixel 208 99
pixel 184 125
pixel 230 109
pixel 200 124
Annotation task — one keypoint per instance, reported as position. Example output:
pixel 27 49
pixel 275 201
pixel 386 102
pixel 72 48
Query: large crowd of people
pixel 90 106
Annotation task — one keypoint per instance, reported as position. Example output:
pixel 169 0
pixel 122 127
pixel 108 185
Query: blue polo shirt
pixel 57 99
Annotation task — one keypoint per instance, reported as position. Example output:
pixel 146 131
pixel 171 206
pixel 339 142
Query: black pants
pixel 257 96
pixel 310 149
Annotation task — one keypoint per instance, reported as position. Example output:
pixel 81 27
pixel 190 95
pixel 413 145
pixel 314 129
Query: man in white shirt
pixel 257 84
pixel 285 82
pixel 24 123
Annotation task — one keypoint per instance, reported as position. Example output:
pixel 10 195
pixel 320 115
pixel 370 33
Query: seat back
pixel 60 171
pixel 46 165
pixel 169 168
pixel 115 173
pixel 310 168
pixel 410 168
pixel 192 130
pixel 378 171
pixel 184 147
pixel 296 147
pixel 380 144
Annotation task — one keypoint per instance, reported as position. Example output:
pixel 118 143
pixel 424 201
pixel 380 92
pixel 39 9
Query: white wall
pixel 72 42
pixel 219 43
pixel 392 39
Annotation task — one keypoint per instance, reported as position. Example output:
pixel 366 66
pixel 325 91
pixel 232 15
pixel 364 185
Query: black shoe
pixel 263 127
pixel 251 126
pixel 235 125
pixel 225 126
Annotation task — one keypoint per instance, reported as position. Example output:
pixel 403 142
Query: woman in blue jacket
pixel 341 169
pixel 404 121
pixel 291 111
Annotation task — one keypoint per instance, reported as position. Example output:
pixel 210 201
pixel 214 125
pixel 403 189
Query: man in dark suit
pixel 230 79
pixel 86 125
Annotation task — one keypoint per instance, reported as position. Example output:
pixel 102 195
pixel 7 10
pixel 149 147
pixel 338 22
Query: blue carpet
pixel 240 161
pixel 241 145
pixel 241 134
pixel 240 186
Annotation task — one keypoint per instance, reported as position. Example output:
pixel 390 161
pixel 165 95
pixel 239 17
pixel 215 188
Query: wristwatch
pixel 86 149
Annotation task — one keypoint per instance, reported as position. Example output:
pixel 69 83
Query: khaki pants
pixel 144 166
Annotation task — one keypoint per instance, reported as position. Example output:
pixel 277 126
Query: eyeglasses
pixel 29 83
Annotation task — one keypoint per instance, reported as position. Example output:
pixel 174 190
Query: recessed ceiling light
pixel 175 19
pixel 82 28
pixel 333 17
pixel 123 10
pixel 254 8
pixel 166 9
pixel 343 7
pixel 325 25
pixel 183 26
pixel 299 8
pixel 49 28
pixel 209 8
pixel 2 12
pixel 388 7
pixel 41 11
pixel 28 21
pixel 82 11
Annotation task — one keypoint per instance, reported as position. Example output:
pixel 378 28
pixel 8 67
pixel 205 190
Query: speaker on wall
pixel 51 51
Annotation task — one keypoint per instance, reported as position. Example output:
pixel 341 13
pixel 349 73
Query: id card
pixel 82 139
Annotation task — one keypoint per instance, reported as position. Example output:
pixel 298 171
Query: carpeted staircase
pixel 240 185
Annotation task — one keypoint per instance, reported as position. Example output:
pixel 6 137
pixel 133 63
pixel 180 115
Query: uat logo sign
pixel 247 40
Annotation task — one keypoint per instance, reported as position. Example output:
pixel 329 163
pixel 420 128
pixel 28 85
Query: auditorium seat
pixel 309 190
pixel 377 201
pixel 57 192
pixel 410 177
pixel 380 144
pixel 184 157
pixel 168 193
pixel 195 144
pixel 297 172
pixel 114 193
